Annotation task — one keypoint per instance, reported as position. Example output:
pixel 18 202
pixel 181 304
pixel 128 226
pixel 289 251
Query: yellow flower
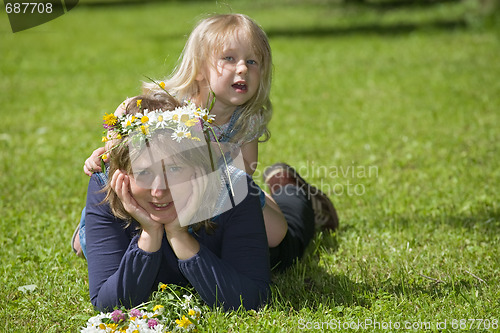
pixel 104 156
pixel 191 122
pixel 139 101
pixel 145 130
pixel 113 326
pixel 118 136
pixel 184 322
pixel 110 119
pixel 157 307
pixel 162 85
pixel 102 327
pixel 163 286
pixel 144 119
pixel 104 139
pixel 193 313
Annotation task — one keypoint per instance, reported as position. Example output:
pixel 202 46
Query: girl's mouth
pixel 240 87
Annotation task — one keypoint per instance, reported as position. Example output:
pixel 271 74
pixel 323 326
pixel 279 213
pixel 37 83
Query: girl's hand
pixel 199 182
pixel 120 183
pixel 93 163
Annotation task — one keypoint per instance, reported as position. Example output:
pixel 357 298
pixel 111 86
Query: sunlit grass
pixel 390 105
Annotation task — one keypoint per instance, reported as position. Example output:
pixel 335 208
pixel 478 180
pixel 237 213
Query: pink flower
pixel 118 316
pixel 152 323
pixel 135 313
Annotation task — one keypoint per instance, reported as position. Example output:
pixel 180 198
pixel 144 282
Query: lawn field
pixel 393 110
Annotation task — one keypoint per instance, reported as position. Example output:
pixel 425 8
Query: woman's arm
pixel 120 273
pixel 240 275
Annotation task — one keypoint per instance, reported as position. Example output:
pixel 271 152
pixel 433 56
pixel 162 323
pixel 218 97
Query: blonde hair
pixel 206 40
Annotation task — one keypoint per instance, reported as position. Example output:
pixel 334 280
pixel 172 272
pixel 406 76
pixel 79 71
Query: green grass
pixel 407 98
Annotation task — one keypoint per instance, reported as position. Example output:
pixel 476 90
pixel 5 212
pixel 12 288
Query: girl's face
pixel 235 78
pixel 161 188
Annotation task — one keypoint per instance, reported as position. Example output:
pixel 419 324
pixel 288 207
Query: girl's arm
pixel 93 162
pixel 250 152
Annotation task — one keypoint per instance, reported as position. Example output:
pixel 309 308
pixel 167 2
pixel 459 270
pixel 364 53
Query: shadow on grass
pixel 485 219
pixel 309 284
pixel 368 29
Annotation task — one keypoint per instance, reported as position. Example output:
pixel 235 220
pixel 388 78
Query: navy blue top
pixel 231 269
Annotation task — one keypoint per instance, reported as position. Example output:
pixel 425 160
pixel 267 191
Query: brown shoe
pixel 281 174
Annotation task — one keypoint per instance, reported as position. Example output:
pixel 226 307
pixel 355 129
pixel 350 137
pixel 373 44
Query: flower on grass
pixel 152 323
pixel 160 315
pixel 135 313
pixel 184 322
pixel 118 316
pixel 158 309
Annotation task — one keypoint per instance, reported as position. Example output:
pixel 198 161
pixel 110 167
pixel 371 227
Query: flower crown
pixel 183 121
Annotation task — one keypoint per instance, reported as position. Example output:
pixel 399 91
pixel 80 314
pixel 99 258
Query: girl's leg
pixel 303 206
pixel 275 222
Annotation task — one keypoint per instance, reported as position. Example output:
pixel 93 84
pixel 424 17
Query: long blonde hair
pixel 206 40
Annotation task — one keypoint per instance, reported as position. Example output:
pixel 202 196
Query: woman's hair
pixel 205 42
pixel 121 157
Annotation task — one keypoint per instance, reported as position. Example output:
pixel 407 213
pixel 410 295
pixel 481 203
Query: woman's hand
pixel 181 241
pixel 199 181
pixel 93 163
pixel 152 231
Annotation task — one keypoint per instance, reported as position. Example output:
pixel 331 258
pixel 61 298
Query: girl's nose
pixel 241 67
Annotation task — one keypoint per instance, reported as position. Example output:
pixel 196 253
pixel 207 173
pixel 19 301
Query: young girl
pixel 229 56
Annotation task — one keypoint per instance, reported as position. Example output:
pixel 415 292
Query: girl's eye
pixel 228 58
pixel 251 62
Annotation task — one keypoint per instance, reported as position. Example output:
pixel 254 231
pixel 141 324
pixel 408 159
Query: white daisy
pixel 180 133
pixel 163 119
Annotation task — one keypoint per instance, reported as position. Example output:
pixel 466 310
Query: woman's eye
pixel 141 173
pixel 175 169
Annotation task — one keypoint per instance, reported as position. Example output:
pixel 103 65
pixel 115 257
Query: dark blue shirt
pixel 231 268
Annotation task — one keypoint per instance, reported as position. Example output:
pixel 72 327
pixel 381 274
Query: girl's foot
pixel 281 174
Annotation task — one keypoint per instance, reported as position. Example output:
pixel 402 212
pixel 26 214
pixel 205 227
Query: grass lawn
pixel 393 111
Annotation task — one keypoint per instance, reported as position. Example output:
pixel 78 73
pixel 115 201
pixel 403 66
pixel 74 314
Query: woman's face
pixel 162 187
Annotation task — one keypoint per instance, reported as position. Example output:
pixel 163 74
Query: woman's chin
pixel 163 218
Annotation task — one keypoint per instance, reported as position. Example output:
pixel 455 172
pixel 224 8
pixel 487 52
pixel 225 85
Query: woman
pixel 149 223
pixel 180 210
